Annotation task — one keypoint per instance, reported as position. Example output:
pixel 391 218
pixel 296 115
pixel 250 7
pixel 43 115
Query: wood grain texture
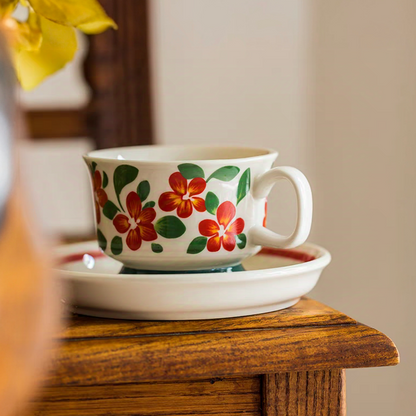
pixel 220 354
pixel 51 124
pixel 307 393
pixel 204 397
pixel 307 312
pixel 118 70
pixel 110 367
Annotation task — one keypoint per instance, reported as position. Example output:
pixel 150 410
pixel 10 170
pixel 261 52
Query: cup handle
pixel 262 186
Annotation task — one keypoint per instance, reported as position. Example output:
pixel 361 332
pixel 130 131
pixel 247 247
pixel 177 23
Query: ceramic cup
pixel 172 208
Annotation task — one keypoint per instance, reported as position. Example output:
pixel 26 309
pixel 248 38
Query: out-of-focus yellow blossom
pixel 46 41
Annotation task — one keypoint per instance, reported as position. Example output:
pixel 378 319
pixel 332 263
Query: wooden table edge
pixel 209 355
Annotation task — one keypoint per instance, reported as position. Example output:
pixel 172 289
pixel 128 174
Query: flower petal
pixel 225 213
pixel 265 214
pixel 86 15
pixel 214 243
pixel 228 241
pixel 121 223
pixel 134 205
pixel 97 213
pixel 133 239
pixel 102 197
pixel 178 183
pixel 97 180
pixel 58 47
pixel 236 227
pixel 199 204
pixel 147 232
pixel 196 186
pixel 147 215
pixel 7 7
pixel 185 209
pixel 25 35
pixel 169 201
pixel 208 228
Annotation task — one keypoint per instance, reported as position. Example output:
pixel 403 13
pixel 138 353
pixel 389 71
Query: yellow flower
pixel 7 7
pixel 45 42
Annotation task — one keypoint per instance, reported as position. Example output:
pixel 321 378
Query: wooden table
pixel 283 363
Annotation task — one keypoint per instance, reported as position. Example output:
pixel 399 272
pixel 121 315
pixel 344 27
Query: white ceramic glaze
pixel 189 207
pixel 272 281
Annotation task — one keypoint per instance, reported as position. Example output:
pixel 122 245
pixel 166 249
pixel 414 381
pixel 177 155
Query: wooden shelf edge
pixel 193 356
pixel 389 344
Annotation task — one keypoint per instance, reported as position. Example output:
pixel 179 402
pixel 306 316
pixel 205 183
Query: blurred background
pixel 331 85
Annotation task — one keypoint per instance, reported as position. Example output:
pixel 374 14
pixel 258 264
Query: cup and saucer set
pixel 181 234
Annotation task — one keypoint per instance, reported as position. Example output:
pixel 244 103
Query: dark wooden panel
pixel 118 70
pixel 309 393
pixel 218 354
pixel 307 312
pixel 204 397
pixel 51 124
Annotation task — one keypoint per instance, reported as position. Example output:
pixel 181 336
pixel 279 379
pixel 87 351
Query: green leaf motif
pixel 191 171
pixel 116 245
pixel 243 185
pixel 211 203
pixel 225 174
pixel 149 204
pixel 105 180
pixel 170 227
pixel 93 166
pixel 123 175
pixel 102 241
pixel 143 190
pixel 197 245
pixel 241 240
pixel 110 210
pixel 157 248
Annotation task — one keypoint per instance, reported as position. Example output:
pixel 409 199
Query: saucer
pixel 273 279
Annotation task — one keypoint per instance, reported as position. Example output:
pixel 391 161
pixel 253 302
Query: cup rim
pixel 100 155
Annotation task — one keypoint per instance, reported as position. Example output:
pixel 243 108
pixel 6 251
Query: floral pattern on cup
pixel 139 223
pixel 100 196
pixel 265 214
pixel 222 232
pixel 183 199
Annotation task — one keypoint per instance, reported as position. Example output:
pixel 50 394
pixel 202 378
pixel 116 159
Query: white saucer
pixel 273 279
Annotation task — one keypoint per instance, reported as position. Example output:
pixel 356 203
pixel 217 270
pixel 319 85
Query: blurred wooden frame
pixel 117 69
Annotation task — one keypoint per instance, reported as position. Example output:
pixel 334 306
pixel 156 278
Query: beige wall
pixel 365 111
pixel 332 86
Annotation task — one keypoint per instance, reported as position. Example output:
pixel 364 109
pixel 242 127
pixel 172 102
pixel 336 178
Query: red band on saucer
pixel 290 254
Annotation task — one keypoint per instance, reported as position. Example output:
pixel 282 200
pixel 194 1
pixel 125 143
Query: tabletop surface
pixel 307 336
pixel 307 312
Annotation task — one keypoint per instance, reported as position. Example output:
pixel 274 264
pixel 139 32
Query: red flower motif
pixel 139 223
pixel 100 196
pixel 222 232
pixel 265 214
pixel 183 197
